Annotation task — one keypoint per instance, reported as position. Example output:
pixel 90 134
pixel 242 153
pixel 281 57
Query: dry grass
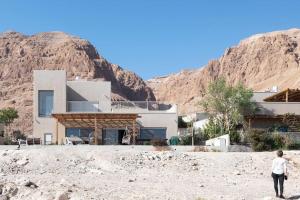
pixel 162 148
pixel 200 149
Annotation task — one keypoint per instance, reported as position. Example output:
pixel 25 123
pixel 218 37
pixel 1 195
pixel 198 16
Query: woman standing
pixel 279 173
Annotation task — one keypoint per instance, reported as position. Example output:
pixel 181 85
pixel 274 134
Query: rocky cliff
pixel 21 54
pixel 260 62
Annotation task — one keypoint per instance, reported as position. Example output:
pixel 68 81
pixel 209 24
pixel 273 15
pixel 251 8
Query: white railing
pixel 139 106
pixel 119 106
pixel 83 106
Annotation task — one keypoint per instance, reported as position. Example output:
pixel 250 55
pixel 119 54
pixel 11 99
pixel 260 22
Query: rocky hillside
pixel 20 54
pixel 260 62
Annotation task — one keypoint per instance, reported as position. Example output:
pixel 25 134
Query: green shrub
pixel 159 142
pixel 187 139
pixel 264 141
pixel 293 146
pixel 235 137
pixel 212 129
pixel 146 143
pixel 279 141
pixel 18 135
pixel 7 141
pixel 290 144
pixel 261 140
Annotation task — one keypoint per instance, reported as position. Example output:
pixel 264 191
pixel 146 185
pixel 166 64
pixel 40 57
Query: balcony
pixel 278 108
pixel 142 106
pixel 83 106
pixel 120 106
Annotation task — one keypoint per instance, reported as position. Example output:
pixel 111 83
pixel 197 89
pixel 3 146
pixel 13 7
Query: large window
pixel 45 103
pixel 153 133
pixel 84 133
pixel 79 132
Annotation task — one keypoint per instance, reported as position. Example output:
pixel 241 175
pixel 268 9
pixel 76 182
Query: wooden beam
pixel 249 123
pixel 133 132
pixel 56 142
pixel 96 132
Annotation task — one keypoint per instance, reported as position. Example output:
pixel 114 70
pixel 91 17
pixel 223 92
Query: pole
pixel 193 142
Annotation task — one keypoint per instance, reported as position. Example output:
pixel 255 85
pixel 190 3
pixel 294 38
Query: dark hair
pixel 279 153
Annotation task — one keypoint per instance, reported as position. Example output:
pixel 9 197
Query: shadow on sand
pixel 294 197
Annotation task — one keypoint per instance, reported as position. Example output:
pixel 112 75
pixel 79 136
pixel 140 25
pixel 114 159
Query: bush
pixel 18 135
pixel 235 137
pixel 212 129
pixel 290 144
pixel 159 142
pixel 293 146
pixel 279 141
pixel 7 141
pixel 147 143
pixel 187 139
pixel 263 141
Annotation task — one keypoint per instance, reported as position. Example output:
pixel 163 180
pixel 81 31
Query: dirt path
pixel 98 172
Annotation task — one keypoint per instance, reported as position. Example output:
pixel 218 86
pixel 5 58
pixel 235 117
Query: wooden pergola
pixel 98 121
pixel 288 95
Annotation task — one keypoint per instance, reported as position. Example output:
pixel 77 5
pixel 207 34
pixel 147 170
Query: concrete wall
pixel 260 96
pixel 222 141
pixel 94 91
pixel 160 120
pixel 278 108
pixel 48 80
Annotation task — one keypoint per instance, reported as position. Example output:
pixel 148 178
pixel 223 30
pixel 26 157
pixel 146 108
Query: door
pixel 48 138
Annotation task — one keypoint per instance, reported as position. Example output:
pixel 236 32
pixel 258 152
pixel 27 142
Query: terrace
pixel 120 106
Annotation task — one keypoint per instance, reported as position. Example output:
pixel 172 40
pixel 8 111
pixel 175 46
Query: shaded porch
pixel 283 123
pixel 98 122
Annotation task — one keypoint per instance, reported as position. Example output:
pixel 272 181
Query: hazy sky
pixel 153 37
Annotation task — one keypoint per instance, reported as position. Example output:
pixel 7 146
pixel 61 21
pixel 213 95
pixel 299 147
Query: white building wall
pixel 48 80
pixel 93 91
pixel 160 120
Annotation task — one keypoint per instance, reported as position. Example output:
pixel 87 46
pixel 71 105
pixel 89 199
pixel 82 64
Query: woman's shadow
pixel 294 197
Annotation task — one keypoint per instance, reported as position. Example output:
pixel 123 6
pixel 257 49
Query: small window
pixel 45 103
pixel 153 133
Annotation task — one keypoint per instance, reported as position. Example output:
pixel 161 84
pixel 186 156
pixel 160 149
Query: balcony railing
pixel 120 106
pixel 83 106
pixel 139 106
pixel 278 108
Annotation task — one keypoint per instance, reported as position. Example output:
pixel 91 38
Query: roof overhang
pixel 100 120
pixel 287 95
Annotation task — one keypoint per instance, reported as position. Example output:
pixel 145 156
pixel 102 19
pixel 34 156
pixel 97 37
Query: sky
pixel 153 37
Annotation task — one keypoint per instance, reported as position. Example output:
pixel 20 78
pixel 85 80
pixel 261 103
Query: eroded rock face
pixel 21 54
pixel 260 62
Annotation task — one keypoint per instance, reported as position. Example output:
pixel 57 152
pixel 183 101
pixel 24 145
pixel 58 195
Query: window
pixel 153 133
pixel 45 103
pixel 79 132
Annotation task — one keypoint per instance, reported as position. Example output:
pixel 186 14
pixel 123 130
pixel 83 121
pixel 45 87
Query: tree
pixel 8 115
pixel 227 104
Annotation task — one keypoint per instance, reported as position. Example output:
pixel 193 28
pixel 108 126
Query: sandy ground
pixel 127 172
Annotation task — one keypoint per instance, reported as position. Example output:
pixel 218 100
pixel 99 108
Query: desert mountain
pixel 260 62
pixel 21 54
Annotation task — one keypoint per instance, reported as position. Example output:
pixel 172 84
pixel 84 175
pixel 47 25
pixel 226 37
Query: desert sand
pixel 139 172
